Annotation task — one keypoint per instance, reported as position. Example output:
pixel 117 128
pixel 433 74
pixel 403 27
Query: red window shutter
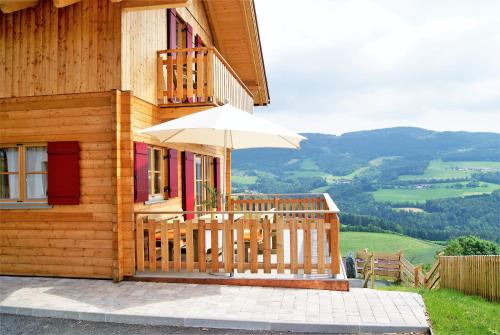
pixel 217 179
pixel 173 182
pixel 172 28
pixel 63 168
pixel 188 183
pixel 140 172
pixel 198 43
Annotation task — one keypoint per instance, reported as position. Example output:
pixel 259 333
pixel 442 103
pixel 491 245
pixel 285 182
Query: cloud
pixel 337 66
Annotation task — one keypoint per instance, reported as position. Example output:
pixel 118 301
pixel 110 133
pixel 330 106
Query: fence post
pixel 416 273
pixel 372 264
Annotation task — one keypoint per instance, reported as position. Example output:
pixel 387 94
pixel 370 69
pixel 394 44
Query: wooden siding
pixel 74 49
pixel 136 114
pixel 143 33
pixel 70 241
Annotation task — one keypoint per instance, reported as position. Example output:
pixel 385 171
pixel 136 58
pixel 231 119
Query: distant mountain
pixel 341 155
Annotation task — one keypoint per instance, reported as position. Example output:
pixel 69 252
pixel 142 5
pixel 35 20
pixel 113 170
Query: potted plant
pixel 213 196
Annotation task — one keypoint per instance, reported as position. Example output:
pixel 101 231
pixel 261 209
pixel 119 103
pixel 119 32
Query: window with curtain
pixel 204 181
pixel 157 180
pixel 23 173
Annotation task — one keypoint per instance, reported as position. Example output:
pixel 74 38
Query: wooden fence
pixel 475 275
pixel 395 267
pixel 199 75
pixel 255 237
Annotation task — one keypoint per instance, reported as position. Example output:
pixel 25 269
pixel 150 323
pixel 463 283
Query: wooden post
pixel 334 243
pixel 416 273
pixel 139 247
pixel 372 265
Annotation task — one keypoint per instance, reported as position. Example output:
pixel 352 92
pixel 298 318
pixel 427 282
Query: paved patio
pixel 360 310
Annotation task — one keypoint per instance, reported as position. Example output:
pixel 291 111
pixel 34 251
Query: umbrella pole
pixel 224 173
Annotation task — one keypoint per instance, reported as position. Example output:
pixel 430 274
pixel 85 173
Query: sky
pixel 335 66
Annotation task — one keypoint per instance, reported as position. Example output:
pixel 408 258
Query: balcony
pixel 194 76
pixel 296 234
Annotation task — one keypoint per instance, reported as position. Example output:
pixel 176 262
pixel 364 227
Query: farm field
pixel 415 250
pixel 439 169
pixel 439 192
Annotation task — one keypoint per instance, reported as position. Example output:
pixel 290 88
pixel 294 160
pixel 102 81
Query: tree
pixel 471 245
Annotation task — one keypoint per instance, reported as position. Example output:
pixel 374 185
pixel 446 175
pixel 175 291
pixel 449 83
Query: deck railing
pixel 199 75
pixel 295 235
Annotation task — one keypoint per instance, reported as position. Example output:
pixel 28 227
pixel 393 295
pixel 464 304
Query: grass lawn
pixel 452 312
pixel 438 169
pixel 415 250
pixel 439 192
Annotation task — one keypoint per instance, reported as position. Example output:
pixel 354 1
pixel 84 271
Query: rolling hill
pixel 393 179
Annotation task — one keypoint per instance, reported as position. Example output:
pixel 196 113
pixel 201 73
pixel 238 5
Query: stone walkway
pixel 360 310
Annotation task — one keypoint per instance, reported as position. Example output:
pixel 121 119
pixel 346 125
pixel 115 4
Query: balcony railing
pixel 199 75
pixel 294 234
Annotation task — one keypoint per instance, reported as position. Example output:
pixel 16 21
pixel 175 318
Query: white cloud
pixel 342 65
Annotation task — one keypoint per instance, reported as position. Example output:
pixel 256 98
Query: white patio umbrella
pixel 225 126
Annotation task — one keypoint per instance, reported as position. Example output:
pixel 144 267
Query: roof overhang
pixel 236 35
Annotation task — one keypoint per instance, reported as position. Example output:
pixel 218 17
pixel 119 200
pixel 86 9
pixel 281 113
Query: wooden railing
pixel 264 235
pixel 397 268
pixel 199 75
pixel 384 264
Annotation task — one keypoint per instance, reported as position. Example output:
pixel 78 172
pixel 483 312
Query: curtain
pixel 12 186
pixel 36 184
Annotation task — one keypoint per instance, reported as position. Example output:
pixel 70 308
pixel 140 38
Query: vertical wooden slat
pixel 170 77
pixel 280 252
pixel 179 75
pixel 152 245
pixel 228 249
pixel 214 246
pixel 189 76
pixel 321 245
pixel 189 246
pixel 209 69
pixel 202 265
pixel 164 246
pixel 307 245
pixel 240 245
pixel 334 243
pixel 139 240
pixel 160 80
pixel 253 246
pixel 177 246
pixel 267 245
pixel 200 76
pixel 293 246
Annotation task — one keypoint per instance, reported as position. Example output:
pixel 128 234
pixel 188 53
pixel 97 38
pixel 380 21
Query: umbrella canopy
pixel 225 126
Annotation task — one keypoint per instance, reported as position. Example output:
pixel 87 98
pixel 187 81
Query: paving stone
pixel 214 306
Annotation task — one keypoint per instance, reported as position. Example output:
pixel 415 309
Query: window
pixel 23 173
pixel 203 182
pixel 157 180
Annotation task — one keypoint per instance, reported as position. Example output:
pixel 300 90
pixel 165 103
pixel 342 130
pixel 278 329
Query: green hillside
pixel 437 169
pixel 438 191
pixel 415 250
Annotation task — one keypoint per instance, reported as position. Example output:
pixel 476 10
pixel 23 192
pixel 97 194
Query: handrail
pixel 217 53
pixel 309 211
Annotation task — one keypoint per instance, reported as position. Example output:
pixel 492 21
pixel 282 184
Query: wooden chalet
pixel 83 194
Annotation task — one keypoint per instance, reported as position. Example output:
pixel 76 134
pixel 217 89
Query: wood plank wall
pixel 144 114
pixel 45 50
pixel 143 34
pixel 70 241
